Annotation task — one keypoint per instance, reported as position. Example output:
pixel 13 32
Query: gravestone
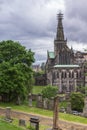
pixel 39 101
pixel 68 109
pixel 22 122
pixel 51 104
pixel 45 103
pixel 18 102
pixel 8 114
pixel 30 99
pixel 85 108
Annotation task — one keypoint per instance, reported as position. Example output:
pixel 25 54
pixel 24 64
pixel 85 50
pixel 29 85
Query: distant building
pixel 64 67
pixel 36 68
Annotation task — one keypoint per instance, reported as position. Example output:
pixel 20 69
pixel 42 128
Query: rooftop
pixel 66 66
pixel 51 55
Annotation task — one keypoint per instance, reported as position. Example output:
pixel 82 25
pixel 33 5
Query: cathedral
pixel 64 67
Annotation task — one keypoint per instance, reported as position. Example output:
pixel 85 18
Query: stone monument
pixel 30 99
pixel 68 109
pixel 8 114
pixel 85 107
pixel 39 101
pixel 55 115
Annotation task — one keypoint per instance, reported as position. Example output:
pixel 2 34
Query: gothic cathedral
pixel 64 67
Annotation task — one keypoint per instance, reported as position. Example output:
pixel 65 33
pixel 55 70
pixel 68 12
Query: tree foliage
pixel 49 91
pixel 77 101
pixel 15 70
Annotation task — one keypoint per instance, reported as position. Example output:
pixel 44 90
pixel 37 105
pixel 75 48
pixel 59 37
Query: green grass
pixel 64 116
pixel 6 126
pixel 73 118
pixel 15 125
pixel 37 89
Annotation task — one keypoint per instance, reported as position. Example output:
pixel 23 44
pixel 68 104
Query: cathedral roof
pixel 66 66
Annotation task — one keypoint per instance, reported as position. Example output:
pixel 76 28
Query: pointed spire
pixel 60 33
pixel 71 49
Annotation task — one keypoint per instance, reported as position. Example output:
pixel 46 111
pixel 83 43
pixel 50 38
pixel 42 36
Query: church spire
pixel 60 33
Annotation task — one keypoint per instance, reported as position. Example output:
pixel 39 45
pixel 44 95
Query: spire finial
pixel 60 33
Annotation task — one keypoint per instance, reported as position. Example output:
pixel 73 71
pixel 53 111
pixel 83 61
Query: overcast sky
pixel 33 23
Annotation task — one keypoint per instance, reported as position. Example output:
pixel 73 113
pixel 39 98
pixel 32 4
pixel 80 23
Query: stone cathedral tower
pixel 62 69
pixel 61 49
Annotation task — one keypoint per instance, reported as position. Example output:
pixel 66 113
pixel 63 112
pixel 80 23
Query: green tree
pixel 15 70
pixel 49 91
pixel 77 101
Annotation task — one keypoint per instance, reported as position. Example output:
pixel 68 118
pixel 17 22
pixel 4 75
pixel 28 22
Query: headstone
pixel 8 113
pixel 22 122
pixel 45 103
pixel 18 102
pixel 30 99
pixel 39 101
pixel 85 108
pixel 51 104
pixel 68 109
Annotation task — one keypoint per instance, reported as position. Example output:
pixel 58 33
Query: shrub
pixel 77 101
pixel 49 91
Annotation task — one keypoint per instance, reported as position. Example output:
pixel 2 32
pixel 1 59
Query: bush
pixel 49 91
pixel 77 101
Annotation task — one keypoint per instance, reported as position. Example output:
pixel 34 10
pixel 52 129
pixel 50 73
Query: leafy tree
pixel 15 70
pixel 49 91
pixel 77 101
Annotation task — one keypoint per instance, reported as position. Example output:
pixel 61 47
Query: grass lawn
pixel 37 89
pixel 6 126
pixel 15 125
pixel 64 116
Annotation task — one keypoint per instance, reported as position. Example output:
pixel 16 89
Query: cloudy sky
pixel 33 23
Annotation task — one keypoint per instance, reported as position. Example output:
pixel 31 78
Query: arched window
pixel 57 74
pixel 80 74
pixel 76 74
pixel 54 75
pixel 65 74
pixel 62 74
pixel 72 74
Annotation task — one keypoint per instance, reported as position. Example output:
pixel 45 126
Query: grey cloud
pixel 76 20
pixel 27 19
pixel 31 22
